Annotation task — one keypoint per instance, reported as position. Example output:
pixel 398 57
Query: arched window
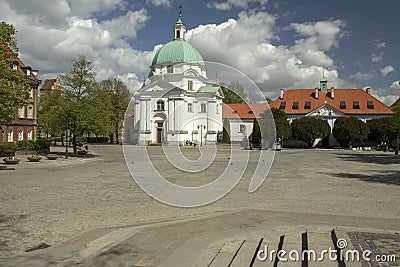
pixel 20 135
pixel 178 34
pixel 160 105
pixel 10 135
pixel 30 134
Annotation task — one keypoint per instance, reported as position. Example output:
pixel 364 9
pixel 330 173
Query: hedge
pixel 98 139
pixel 40 145
pixel 7 149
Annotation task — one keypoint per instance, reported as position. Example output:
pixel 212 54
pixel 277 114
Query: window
pixel 30 134
pixel 170 69
pixel 10 136
pixel 160 105
pixel 28 72
pixel 370 104
pixel 203 108
pixel 343 104
pixel 295 105
pixel 31 93
pixel 190 85
pixel 242 128
pixel 307 105
pixel 178 34
pixel 14 66
pixel 20 135
pixel 30 112
pixel 21 112
pixel 356 105
pixel 190 107
pixel 283 105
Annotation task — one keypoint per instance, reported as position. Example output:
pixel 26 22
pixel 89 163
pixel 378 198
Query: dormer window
pixel 343 104
pixel 356 105
pixel 370 104
pixel 283 105
pixel 307 105
pixel 28 72
pixel 160 105
pixel 170 69
pixel 295 105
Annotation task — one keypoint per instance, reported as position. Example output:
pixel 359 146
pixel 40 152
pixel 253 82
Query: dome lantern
pixel 179 27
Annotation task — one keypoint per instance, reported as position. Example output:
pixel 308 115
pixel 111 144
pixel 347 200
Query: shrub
pixel 7 149
pixel 99 139
pixel 310 129
pixel 28 145
pixel 349 131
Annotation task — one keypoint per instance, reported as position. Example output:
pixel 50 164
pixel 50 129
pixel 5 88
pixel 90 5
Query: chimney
pixel 316 92
pixel 333 92
pixel 368 90
pixel 281 96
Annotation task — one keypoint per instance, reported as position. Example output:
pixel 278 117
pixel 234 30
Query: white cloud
pixel 50 48
pixel 85 8
pixel 378 44
pixel 377 57
pixel 246 43
pixel 162 3
pixel 229 4
pixel 386 70
pixel 363 76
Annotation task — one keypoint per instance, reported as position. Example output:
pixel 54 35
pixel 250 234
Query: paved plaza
pixel 89 211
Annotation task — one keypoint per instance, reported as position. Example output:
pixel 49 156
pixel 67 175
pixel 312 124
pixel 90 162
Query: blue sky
pixel 278 44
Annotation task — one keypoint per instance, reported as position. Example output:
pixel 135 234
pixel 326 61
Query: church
pixel 177 104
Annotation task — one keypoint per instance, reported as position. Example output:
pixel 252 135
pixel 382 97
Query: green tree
pixel 256 134
pixel 226 138
pixel 234 94
pixel 282 126
pixel 84 106
pixel 395 122
pixel 14 87
pixel 349 130
pixel 310 129
pixel 120 97
pixel 381 130
pixel 51 113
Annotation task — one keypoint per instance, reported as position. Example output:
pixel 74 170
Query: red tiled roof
pixel 348 95
pixel 243 111
pixel 48 83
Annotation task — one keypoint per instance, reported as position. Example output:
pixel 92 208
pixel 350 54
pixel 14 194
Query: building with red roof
pixel 241 119
pixel 23 128
pixel 50 85
pixel 329 104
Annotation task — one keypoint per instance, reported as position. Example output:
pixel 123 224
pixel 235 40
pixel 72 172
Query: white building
pixel 177 103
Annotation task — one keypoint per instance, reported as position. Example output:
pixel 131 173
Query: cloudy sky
pixel 278 44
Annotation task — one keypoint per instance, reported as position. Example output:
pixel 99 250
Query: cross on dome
pixel 179 27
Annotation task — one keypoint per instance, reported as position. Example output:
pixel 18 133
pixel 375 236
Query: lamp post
pixel 201 133
pixel 66 137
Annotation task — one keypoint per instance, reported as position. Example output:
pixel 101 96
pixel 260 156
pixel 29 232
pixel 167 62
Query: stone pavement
pixel 91 213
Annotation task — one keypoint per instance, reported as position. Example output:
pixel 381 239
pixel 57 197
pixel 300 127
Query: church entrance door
pixel 159 132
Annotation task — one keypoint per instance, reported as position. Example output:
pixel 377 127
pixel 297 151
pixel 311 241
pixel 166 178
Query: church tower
pixel 179 27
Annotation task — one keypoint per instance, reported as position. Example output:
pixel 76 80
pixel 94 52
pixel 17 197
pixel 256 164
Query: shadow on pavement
pixel 386 177
pixel 372 158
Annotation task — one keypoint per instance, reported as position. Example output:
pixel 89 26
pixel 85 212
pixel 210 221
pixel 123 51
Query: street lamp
pixel 201 133
pixel 66 137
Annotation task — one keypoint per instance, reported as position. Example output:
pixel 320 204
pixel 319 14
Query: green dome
pixel 323 79
pixel 177 51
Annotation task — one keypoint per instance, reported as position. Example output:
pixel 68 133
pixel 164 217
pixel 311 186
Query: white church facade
pixel 177 104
